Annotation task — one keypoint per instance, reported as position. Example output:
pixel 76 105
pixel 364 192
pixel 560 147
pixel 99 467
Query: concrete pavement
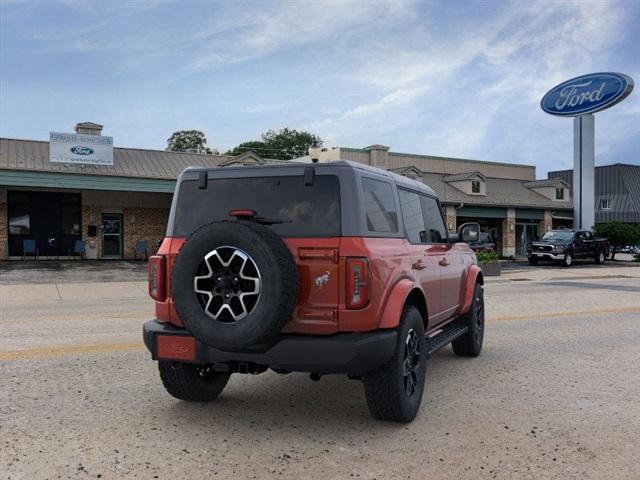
pixel 553 395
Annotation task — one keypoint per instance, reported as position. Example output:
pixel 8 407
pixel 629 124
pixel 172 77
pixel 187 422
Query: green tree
pixel 258 147
pixel 619 234
pixel 283 144
pixel 188 141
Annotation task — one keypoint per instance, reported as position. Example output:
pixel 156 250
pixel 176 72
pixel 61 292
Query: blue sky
pixel 460 79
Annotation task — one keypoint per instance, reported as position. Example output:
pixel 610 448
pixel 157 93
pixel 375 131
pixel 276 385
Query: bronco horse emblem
pixel 322 280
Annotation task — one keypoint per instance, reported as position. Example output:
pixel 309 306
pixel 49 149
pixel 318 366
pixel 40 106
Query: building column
pixel 545 224
pixel 450 218
pixel 379 156
pixel 509 234
pixel 92 215
pixel 4 225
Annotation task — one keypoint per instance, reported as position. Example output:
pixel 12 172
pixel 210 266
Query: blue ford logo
pixel 79 150
pixel 587 94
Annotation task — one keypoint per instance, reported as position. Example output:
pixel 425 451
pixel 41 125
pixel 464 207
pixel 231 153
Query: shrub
pixel 485 257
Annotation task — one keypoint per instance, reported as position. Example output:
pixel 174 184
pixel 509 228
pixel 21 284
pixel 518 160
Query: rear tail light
pixel 157 283
pixel 357 282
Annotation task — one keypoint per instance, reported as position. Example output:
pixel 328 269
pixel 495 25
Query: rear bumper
pixel 350 353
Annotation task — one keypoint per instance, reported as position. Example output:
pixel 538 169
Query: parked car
pixel 484 244
pixel 327 268
pixel 566 245
pixel 629 249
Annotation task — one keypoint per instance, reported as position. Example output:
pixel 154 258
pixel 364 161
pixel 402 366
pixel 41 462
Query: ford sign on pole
pixel 580 97
pixel 80 149
pixel 587 94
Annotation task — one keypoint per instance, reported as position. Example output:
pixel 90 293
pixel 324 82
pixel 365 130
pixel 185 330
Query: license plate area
pixel 175 347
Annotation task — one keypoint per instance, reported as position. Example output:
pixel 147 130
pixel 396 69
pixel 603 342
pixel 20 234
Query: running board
pixel 444 338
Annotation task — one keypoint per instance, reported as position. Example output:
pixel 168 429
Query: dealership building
pixel 113 199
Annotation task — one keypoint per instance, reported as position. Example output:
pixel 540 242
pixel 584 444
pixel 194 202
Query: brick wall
pixel 92 215
pixel 509 233
pixel 148 224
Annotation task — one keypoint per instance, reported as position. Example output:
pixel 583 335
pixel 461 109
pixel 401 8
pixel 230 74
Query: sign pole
pixel 583 171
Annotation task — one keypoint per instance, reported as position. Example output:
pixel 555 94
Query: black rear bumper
pixel 350 353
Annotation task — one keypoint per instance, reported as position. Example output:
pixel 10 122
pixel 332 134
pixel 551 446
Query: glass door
pixel 525 233
pixel 111 235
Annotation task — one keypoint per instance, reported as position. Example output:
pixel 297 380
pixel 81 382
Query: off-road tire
pixel 385 387
pixel 194 383
pixel 470 344
pixel 600 257
pixel 278 278
pixel 567 261
pixel 532 260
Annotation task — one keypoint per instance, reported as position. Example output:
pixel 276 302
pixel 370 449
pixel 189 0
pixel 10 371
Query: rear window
pixel 305 210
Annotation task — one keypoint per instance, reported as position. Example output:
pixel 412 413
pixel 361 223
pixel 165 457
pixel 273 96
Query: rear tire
pixel 470 344
pixel 194 383
pixel 600 257
pixel 394 391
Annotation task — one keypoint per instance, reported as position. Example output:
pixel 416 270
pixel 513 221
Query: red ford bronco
pixel 319 268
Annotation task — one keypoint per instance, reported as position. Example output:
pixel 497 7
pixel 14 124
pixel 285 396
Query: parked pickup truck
pixel 566 245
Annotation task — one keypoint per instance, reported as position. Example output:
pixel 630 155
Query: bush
pixel 485 257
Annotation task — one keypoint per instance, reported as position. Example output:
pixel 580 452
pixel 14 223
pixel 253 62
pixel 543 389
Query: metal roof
pixel 547 182
pixel 620 185
pixel 499 192
pixel 33 155
pixel 463 176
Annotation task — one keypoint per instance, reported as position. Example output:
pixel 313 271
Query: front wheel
pixel 394 391
pixel 567 261
pixel 533 260
pixel 600 257
pixel 195 383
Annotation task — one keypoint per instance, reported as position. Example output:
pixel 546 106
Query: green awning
pixel 23 178
pixel 482 212
pixel 530 213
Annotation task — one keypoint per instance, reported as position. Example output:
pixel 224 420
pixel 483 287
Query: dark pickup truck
pixel 566 245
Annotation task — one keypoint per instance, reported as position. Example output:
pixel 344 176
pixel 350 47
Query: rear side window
pixel 412 216
pixel 305 210
pixel 380 206
pixel 436 232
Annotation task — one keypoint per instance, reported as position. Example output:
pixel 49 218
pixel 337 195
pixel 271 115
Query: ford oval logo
pixel 587 94
pixel 79 150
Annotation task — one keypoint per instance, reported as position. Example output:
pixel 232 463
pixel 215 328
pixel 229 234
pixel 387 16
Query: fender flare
pixel 473 276
pixel 395 303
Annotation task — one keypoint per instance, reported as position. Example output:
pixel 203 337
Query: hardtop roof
pixel 400 180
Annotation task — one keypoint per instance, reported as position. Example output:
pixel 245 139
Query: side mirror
pixel 469 232
pixel 453 238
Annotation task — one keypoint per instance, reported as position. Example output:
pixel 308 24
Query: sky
pixel 450 78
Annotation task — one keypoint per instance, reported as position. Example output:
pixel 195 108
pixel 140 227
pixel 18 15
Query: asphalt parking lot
pixel 553 395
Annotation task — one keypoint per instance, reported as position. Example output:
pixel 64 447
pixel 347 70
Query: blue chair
pixel 79 248
pixel 29 248
pixel 140 249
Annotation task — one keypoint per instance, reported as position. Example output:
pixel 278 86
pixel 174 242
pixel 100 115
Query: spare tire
pixel 234 284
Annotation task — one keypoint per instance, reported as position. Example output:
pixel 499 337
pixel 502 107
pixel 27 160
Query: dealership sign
pixel 80 149
pixel 587 94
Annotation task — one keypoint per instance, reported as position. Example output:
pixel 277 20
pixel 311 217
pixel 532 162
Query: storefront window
pixel 19 220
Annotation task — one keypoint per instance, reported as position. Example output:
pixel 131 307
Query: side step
pixel 444 338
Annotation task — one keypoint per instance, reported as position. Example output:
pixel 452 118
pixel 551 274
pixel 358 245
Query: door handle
pixel 444 262
pixel 418 265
